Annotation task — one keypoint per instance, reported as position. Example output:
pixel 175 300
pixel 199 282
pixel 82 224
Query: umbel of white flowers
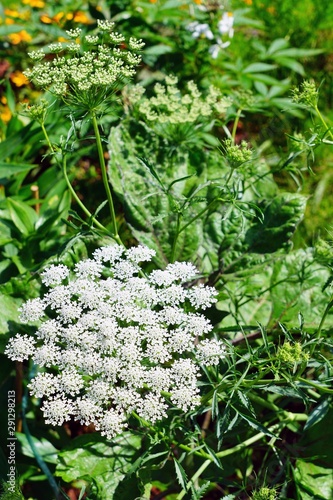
pixel 117 340
pixel 86 69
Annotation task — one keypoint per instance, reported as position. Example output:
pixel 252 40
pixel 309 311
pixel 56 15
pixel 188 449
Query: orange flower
pixel 18 78
pixel 248 2
pixel 45 19
pixel 21 36
pixel 81 17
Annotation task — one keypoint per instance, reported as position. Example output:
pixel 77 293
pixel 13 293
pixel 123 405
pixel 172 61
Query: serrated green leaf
pixel 181 474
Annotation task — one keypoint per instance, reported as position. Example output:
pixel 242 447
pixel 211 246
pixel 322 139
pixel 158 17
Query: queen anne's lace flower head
pixel 122 341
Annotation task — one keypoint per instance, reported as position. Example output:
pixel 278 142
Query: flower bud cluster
pixel 87 67
pixel 116 340
pixel 306 94
pixel 237 154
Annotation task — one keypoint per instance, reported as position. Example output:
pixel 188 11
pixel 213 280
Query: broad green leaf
pixel 296 286
pixel 149 210
pixel 102 463
pixel 45 449
pixel 280 218
pixel 316 443
pixel 312 481
pixel 23 216
pixel 10 169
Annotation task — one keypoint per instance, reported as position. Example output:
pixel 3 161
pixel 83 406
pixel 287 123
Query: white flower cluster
pixel 80 68
pixel 170 106
pixel 224 28
pixel 118 341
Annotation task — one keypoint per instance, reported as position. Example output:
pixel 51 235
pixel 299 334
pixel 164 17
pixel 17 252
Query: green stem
pixel 277 410
pixel 320 388
pixel 46 135
pixel 323 121
pixel 77 199
pixel 328 307
pixel 69 185
pixel 105 177
pixel 225 453
pixel 176 237
pixel 235 125
pixel 197 216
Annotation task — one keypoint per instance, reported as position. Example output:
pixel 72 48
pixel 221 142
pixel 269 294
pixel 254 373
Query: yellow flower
pixel 39 4
pixel 21 36
pixel 18 78
pixel 5 113
pixel 58 17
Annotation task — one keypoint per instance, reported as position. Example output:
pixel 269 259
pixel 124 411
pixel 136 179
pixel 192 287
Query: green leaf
pixel 254 423
pixel 181 474
pixel 280 218
pixel 157 50
pixel 102 463
pixel 23 216
pixel 313 482
pixel 278 44
pixel 10 169
pixel 318 413
pixel 46 449
pixel 9 316
pixel 259 67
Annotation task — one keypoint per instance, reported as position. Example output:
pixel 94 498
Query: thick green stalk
pixel 105 176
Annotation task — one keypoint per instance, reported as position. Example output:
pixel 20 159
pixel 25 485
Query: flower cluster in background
pixel 122 341
pixel 177 115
